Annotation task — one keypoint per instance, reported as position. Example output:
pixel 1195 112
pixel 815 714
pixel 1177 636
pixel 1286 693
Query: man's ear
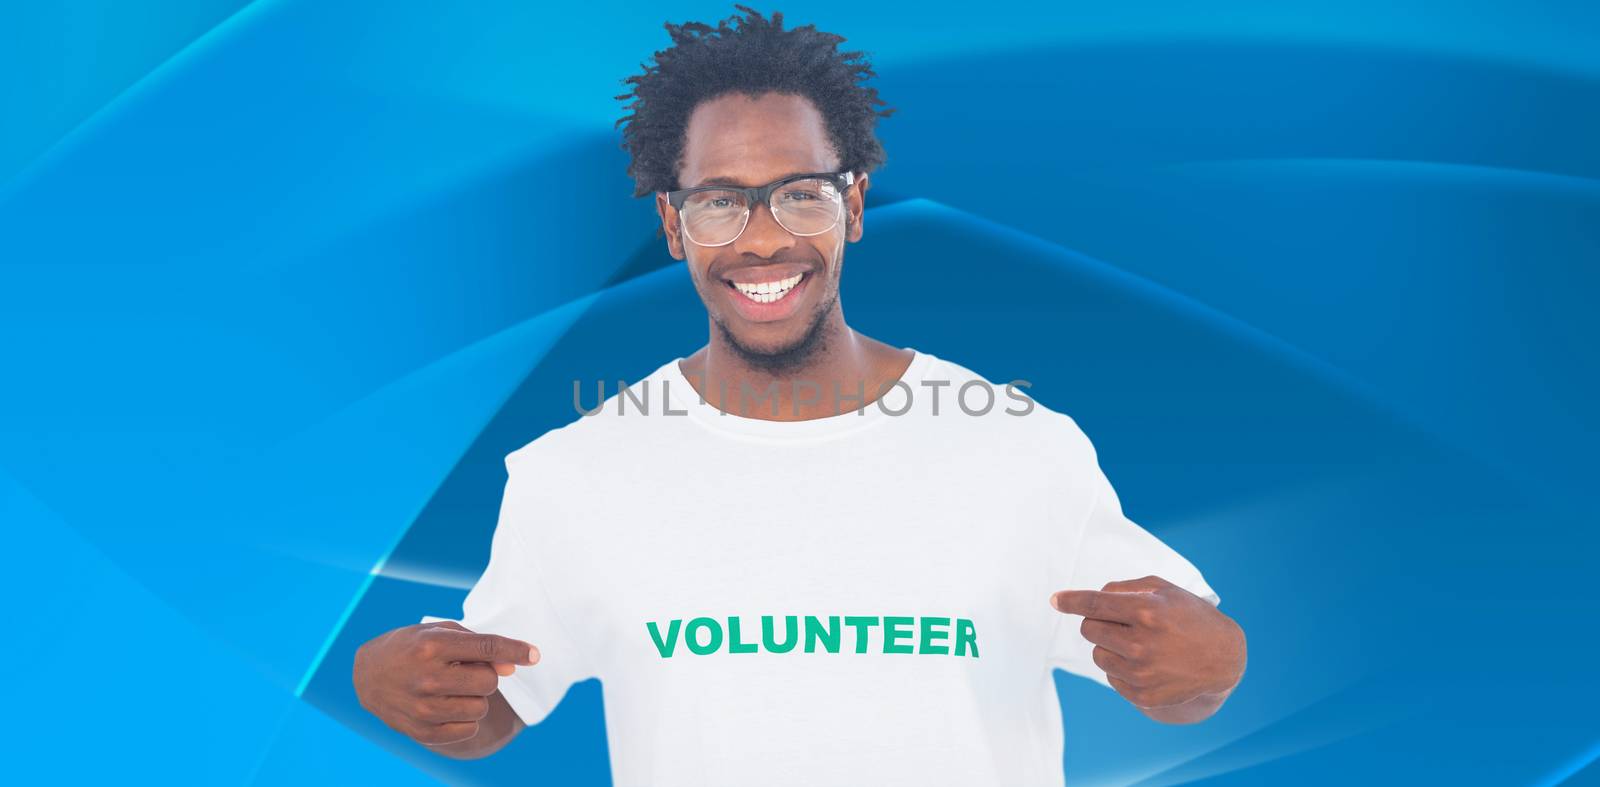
pixel 669 225
pixel 855 207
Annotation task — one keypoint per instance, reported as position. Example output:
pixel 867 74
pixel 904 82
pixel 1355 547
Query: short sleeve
pixel 1113 548
pixel 509 599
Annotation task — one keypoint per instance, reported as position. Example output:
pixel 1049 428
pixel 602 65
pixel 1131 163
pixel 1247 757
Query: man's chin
pixel 775 349
pixel 758 346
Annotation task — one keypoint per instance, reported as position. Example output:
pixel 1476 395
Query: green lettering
pixel 861 625
pixel 734 645
pixel 706 624
pixel 965 635
pixel 790 639
pixel 829 636
pixel 896 628
pixel 665 647
pixel 928 631
pixel 704 636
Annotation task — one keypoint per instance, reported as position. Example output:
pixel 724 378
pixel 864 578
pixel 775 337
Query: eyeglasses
pixel 809 204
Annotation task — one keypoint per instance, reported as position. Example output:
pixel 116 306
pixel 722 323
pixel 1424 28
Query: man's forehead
pixel 756 171
pixel 743 141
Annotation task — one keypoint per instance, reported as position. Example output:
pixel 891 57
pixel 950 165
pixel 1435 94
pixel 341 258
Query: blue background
pixel 281 283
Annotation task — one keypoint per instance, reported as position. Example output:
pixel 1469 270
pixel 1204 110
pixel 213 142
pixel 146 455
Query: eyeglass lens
pixel 808 206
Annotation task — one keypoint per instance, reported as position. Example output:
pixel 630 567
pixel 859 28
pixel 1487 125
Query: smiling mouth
pixel 768 292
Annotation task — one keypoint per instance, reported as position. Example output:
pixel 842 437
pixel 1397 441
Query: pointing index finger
pixel 472 646
pixel 1099 604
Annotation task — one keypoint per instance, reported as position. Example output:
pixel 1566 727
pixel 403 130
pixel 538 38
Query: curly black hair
pixel 750 55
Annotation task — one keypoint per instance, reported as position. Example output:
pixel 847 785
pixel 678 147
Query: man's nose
pixel 763 236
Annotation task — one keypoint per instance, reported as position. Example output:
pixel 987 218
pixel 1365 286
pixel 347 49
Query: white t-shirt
pixel 856 599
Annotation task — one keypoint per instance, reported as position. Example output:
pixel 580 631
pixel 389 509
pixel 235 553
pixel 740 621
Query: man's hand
pixel 1169 652
pixel 434 681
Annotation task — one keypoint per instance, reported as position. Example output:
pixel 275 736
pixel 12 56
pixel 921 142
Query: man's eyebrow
pixel 723 180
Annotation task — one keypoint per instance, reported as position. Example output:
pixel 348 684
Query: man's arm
pixel 1170 653
pixel 494 731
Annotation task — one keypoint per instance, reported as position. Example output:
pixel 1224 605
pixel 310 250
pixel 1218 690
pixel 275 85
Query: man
pixel 801 555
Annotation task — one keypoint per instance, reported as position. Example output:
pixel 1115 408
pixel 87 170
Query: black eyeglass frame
pixel 755 195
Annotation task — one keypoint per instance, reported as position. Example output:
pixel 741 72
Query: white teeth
pixel 769 291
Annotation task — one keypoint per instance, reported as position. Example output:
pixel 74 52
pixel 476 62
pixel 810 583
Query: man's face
pixel 737 140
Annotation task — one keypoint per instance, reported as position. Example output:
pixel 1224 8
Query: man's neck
pixel 848 372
